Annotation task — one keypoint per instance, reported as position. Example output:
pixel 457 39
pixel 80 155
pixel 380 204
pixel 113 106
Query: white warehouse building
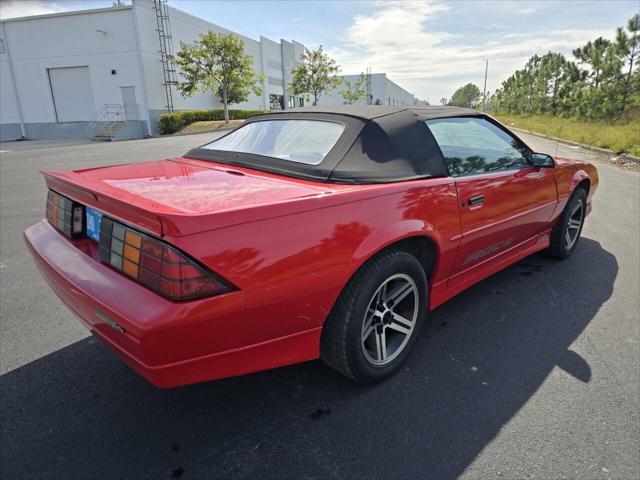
pixel 380 90
pixel 100 72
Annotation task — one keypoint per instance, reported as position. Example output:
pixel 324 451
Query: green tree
pixel 559 78
pixel 315 76
pixel 217 63
pixel 603 82
pixel 628 46
pixel 553 83
pixel 354 91
pixel 546 84
pixel 601 93
pixel 466 96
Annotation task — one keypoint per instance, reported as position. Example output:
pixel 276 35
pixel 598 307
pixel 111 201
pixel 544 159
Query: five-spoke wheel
pixel 574 225
pixel 568 227
pixel 390 319
pixel 377 318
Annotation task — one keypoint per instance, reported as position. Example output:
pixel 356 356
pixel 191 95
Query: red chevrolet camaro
pixel 325 232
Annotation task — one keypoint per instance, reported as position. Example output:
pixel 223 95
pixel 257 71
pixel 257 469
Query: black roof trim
pixel 380 144
pixel 369 112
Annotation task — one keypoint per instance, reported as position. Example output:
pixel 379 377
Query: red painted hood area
pixel 178 196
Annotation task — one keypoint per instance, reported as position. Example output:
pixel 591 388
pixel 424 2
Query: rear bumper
pixel 168 343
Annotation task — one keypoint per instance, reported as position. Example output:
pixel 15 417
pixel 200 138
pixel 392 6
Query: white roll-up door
pixel 72 93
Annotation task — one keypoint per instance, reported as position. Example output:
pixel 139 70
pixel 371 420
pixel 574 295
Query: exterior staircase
pixel 109 119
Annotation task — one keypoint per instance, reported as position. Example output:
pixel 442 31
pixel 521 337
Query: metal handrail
pixel 109 118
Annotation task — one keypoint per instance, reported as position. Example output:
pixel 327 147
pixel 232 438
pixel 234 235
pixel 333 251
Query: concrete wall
pixel 291 59
pixel 120 48
pixel 267 57
pixel 184 28
pixel 396 95
pixel 383 92
pixel 103 40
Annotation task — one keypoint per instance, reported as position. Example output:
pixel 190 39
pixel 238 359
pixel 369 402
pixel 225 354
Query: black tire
pixel 559 246
pixel 342 347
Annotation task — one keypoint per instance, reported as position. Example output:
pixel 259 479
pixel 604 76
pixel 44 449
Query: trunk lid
pixel 182 196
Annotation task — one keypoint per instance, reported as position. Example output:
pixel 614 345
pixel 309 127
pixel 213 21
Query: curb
pixel 626 156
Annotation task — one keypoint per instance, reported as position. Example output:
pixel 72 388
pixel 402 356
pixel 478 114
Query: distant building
pixel 380 90
pixel 101 72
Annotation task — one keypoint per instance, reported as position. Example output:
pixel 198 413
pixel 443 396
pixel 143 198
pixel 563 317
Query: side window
pixel 474 145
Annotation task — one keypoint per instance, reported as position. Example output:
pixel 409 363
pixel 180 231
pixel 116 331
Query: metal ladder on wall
pixel 166 52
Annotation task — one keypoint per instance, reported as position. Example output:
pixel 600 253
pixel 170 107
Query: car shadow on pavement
pixel 80 413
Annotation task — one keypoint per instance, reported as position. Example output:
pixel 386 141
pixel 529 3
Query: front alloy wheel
pixel 568 227
pixel 574 225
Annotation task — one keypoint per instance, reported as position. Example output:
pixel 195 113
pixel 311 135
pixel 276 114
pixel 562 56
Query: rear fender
pixel 382 237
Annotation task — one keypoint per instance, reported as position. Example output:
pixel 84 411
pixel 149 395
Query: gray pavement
pixel 533 373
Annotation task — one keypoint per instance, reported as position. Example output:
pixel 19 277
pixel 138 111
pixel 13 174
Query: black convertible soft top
pixel 379 144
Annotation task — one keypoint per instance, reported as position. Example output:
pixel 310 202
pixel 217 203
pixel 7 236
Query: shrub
pixel 172 122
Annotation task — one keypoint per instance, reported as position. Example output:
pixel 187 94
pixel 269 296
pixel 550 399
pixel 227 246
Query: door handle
pixel 478 199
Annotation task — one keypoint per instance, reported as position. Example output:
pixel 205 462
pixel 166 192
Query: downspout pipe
pixel 285 100
pixel 23 130
pixel 145 97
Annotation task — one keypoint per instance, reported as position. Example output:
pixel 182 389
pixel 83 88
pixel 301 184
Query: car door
pixel 505 202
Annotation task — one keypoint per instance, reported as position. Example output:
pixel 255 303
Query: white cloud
pixel 527 11
pixel 497 26
pixel 400 39
pixel 25 8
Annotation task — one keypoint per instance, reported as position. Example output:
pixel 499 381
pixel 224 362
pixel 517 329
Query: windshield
pixel 302 141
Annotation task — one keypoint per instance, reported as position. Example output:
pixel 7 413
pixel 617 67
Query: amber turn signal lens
pixel 155 264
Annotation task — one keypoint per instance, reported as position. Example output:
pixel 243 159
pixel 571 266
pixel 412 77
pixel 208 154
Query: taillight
pixel 65 215
pixel 156 264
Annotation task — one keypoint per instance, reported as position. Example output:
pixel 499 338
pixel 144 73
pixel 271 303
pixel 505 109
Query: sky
pixel 429 47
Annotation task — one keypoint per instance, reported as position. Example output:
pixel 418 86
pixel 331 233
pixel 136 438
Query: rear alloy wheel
pixel 566 232
pixel 377 318
pixel 390 319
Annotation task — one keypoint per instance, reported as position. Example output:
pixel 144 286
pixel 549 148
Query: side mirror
pixel 542 160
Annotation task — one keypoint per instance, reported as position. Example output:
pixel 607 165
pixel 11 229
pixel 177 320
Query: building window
pixel 277 82
pixel 294 102
pixel 275 65
pixel 276 102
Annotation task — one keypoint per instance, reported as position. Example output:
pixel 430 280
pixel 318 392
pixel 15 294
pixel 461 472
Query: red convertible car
pixel 324 232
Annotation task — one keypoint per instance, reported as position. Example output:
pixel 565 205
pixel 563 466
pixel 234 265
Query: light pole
pixel 484 91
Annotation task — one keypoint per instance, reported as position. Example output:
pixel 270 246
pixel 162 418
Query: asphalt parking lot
pixel 533 373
